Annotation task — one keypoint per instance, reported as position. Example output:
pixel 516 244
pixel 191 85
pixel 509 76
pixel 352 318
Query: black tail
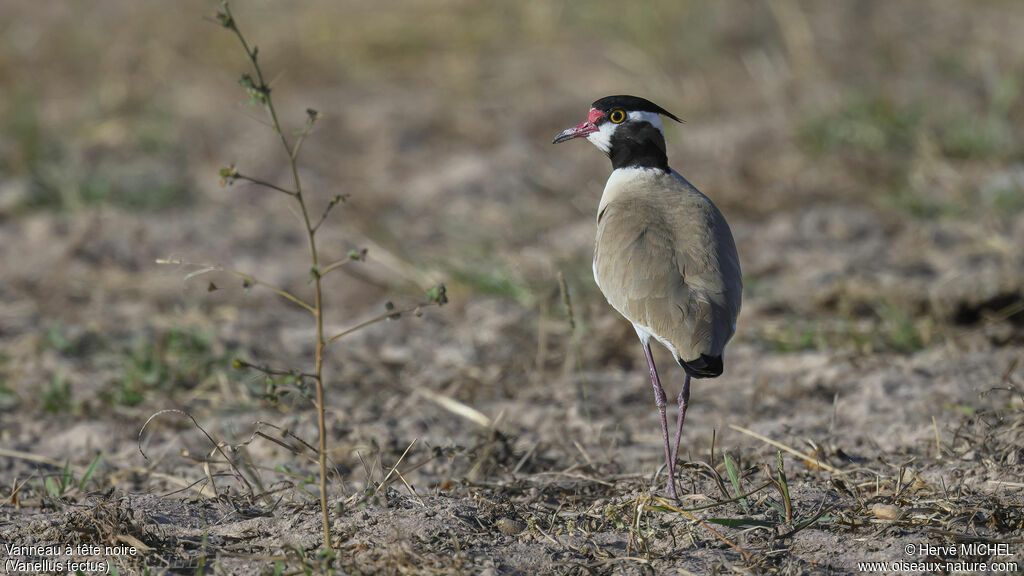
pixel 703 367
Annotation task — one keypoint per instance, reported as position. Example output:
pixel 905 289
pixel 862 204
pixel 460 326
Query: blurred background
pixel 868 156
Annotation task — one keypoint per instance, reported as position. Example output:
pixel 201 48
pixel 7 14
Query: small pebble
pixel 509 527
pixel 885 511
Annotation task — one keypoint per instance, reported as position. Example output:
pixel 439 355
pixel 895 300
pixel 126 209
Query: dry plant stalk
pixel 259 94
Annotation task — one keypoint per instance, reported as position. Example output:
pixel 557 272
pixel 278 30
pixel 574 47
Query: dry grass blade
pixel 455 407
pixel 384 482
pixel 355 498
pixel 785 448
pixel 575 476
pixel 29 457
pixel 1007 484
pixel 412 491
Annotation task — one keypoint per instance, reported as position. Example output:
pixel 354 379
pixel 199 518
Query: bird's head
pixel 627 129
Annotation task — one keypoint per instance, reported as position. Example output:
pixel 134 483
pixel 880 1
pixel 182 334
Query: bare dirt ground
pixel 868 156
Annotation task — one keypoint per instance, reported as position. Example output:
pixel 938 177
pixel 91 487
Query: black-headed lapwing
pixel 664 255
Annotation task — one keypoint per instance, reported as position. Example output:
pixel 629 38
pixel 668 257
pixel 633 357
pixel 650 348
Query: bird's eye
pixel 617 116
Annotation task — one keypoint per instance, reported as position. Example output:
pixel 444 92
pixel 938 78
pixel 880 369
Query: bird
pixel 664 256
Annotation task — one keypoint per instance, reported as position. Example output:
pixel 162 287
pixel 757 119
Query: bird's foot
pixel 670 486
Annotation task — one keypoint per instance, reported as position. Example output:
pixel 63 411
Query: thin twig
pixel 338 199
pixel 311 117
pixel 390 314
pixel 729 500
pixel 272 371
pixel 186 484
pixel 288 434
pixel 298 144
pixel 263 90
pixel 704 525
pixel 335 266
pixel 284 445
pixel 248 278
pixel 263 183
pixel 216 445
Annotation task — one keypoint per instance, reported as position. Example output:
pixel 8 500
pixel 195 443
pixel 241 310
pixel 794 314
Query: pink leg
pixel 659 400
pixel 684 400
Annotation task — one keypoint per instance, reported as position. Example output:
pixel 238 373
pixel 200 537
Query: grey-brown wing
pixel 661 274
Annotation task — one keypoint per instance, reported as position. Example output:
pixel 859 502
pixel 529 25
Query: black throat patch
pixel 638 145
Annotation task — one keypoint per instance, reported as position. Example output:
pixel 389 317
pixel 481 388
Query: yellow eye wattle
pixel 617 116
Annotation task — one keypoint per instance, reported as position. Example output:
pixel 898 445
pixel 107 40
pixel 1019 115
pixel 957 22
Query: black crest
pixel 635 144
pixel 630 104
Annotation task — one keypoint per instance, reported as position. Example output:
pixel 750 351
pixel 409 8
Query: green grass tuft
pixel 873 125
pixel 178 359
pixel 56 397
